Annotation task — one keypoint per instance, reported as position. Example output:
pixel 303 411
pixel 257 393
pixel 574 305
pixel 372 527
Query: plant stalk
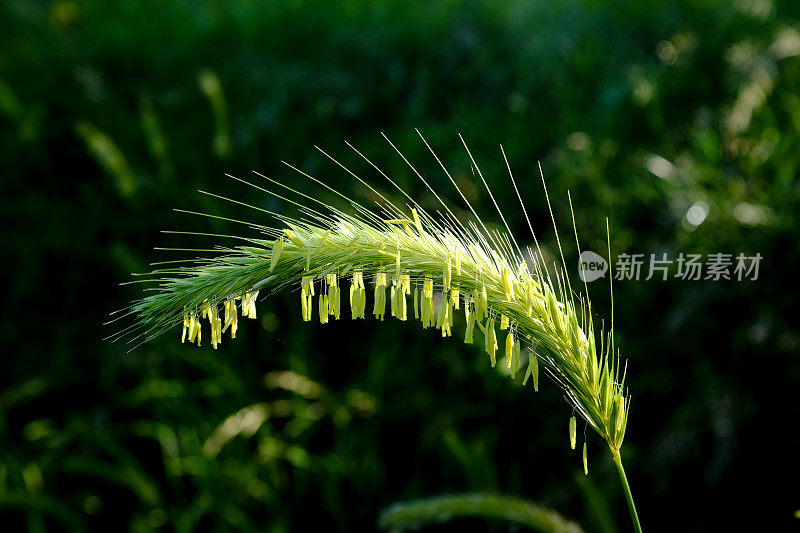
pixel 627 489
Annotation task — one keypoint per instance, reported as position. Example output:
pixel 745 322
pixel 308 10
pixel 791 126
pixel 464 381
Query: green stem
pixel 627 488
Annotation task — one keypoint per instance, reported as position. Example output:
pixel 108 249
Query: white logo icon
pixel 591 266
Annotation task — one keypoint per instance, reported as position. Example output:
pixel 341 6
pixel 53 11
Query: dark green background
pixel 112 113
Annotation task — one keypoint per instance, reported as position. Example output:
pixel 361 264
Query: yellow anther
pixel 585 460
pixel 509 349
pixel 216 326
pixel 491 341
pixel 358 295
pixel 448 273
pixel 249 304
pixel 399 289
pixel 449 314
pixel 379 307
pixel 402 305
pixel 323 308
pixel 427 303
pixel 503 321
pixel 306 293
pixel 190 327
pixel 337 302
pixel 533 371
pixel 231 318
pixel 573 425
pixel 185 328
pixel 470 316
pixel 427 288
pixel 441 317
pixel 476 299
pixel 194 329
pixel 455 297
pixel 334 296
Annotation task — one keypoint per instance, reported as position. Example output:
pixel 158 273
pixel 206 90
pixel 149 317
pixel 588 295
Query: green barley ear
pixel 482 273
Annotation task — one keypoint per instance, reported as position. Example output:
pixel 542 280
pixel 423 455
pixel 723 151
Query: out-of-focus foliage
pixel 111 113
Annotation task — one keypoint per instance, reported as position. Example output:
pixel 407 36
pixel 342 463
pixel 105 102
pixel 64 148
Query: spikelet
pixel 277 250
pixel 620 412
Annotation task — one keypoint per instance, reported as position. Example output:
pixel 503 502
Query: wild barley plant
pixel 418 267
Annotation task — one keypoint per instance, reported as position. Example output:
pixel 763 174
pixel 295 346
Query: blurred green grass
pixel 112 113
